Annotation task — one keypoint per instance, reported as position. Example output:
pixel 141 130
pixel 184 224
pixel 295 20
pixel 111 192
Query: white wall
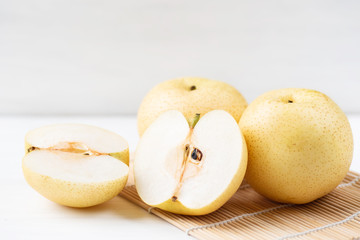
pixel 102 56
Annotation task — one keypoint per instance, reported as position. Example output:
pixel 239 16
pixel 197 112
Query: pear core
pixel 70 147
pixel 191 159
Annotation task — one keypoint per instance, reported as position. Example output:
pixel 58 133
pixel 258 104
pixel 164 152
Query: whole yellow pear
pixel 189 95
pixel 299 142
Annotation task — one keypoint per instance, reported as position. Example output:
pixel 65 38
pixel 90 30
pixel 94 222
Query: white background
pixel 101 57
pixel 93 61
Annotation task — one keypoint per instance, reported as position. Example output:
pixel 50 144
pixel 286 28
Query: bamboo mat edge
pixel 228 229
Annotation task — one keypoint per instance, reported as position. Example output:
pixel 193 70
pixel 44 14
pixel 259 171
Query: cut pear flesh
pixel 78 136
pixel 73 167
pixel 190 170
pixel 76 165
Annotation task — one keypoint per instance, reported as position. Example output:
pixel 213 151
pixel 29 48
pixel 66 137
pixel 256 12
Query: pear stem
pixel 194 120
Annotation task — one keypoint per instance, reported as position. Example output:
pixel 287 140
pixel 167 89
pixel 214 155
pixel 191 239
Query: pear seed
pixel 196 154
pixel 31 149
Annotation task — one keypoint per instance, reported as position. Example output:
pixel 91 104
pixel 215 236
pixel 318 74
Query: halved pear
pixel 74 164
pixel 191 170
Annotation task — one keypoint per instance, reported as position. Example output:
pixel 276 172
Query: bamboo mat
pixel 247 215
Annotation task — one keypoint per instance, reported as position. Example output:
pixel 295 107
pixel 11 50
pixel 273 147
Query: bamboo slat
pixel 247 215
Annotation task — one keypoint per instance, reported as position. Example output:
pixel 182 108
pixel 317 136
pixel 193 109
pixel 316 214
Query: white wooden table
pixel 24 214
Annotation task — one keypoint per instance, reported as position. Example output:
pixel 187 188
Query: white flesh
pixel 154 173
pixel 75 167
pixel 95 138
pixel 160 152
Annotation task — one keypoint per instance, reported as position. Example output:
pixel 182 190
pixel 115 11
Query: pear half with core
pixel 190 169
pixel 76 165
